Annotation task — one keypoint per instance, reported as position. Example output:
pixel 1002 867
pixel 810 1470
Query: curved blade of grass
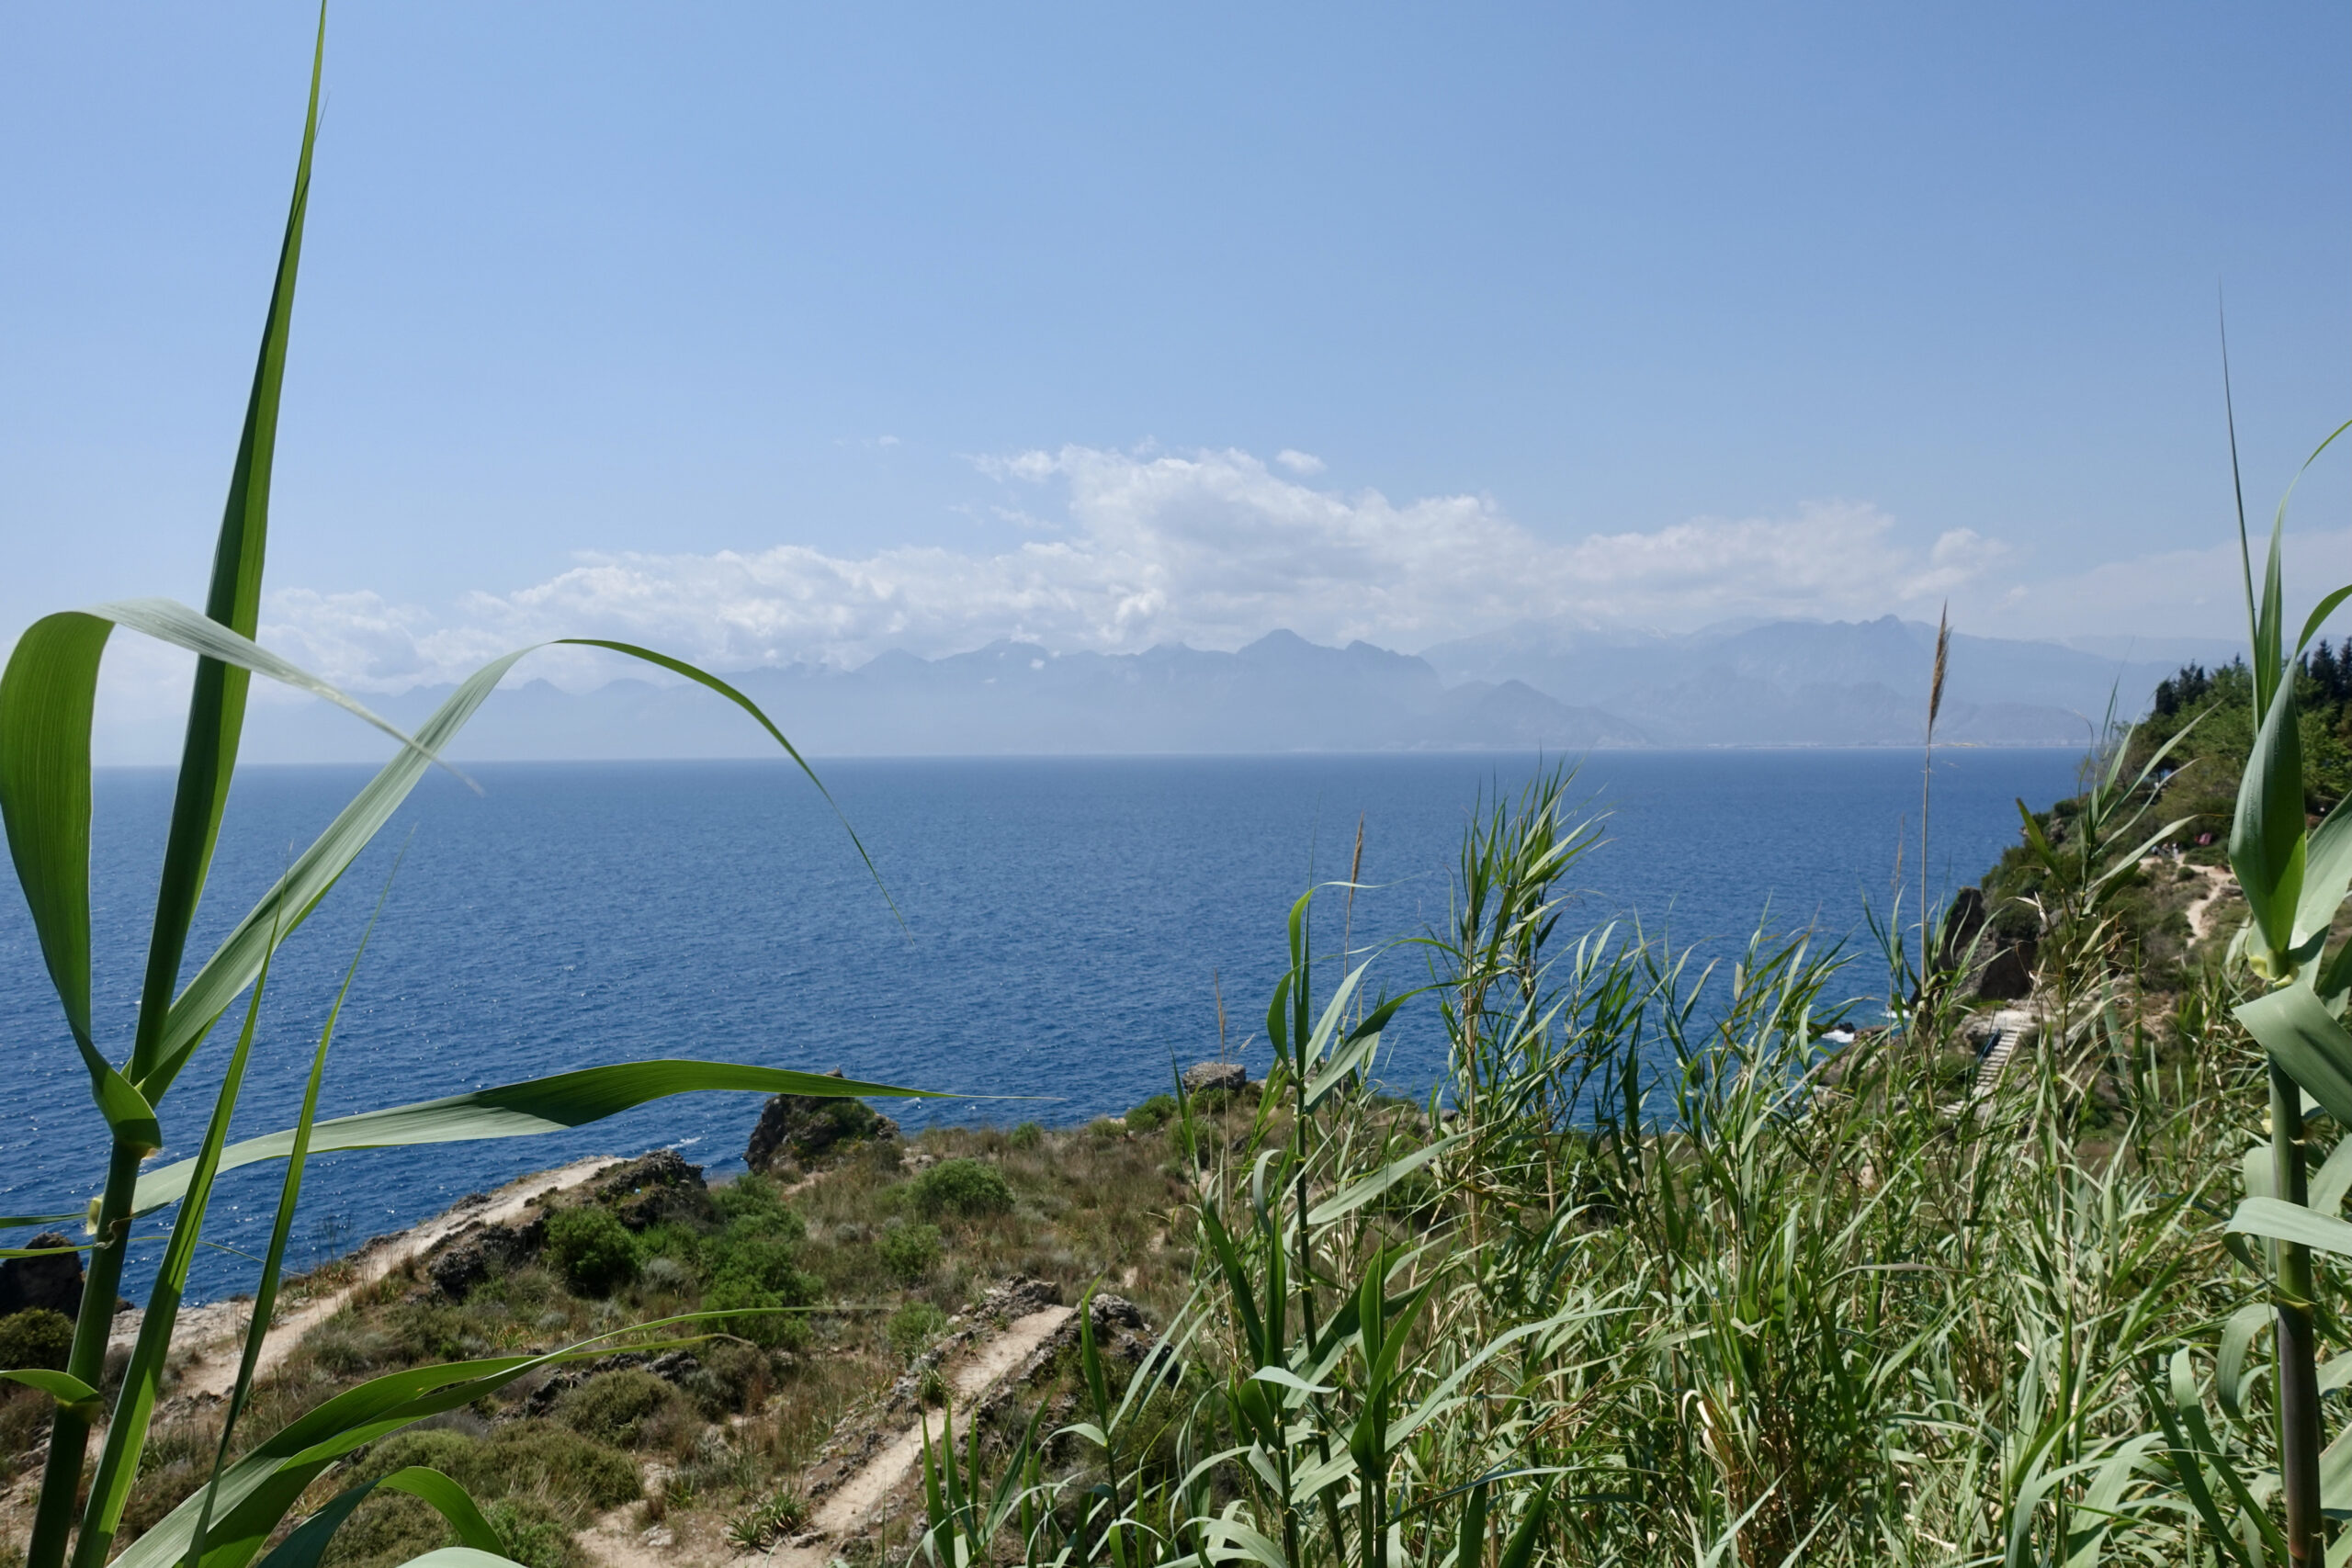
pixel 1364 1189
pixel 2280 1221
pixel 2267 847
pixel 314 872
pixel 550 1104
pixel 63 1387
pixel 2294 1026
pixel 309 1543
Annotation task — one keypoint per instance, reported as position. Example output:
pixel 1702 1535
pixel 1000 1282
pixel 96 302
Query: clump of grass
pixel 909 1252
pixel 767 1521
pixel 912 1328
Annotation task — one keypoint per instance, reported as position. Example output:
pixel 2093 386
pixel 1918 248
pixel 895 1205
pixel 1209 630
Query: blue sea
pixel 1068 927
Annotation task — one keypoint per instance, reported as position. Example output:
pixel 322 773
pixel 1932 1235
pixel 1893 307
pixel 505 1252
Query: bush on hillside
pixel 615 1407
pixel 967 1187
pixel 37 1337
pixel 592 1249
pixel 756 1318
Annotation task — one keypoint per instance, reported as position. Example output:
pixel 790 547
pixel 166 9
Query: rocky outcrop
pixel 804 1128
pixel 54 1281
pixel 1228 1076
pixel 659 1187
pixel 468 1258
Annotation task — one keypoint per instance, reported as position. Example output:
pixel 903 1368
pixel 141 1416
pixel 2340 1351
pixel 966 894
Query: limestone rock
pixel 463 1262
pixel 806 1127
pixel 1228 1076
pixel 54 1283
pixel 661 1186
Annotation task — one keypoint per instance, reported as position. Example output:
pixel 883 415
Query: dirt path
pixel 213 1336
pixel 854 1505
pixel 613 1542
pixel 2200 909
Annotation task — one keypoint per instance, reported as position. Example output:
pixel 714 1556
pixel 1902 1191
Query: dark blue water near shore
pixel 1063 919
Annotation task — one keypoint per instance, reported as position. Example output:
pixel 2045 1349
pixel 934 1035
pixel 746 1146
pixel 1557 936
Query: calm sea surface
pixel 1063 921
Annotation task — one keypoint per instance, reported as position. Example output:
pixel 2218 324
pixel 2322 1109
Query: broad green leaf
pixel 2332 1179
pixel 309 1543
pixel 1520 1549
pixel 63 1387
pixel 2258 1169
pixel 1289 1380
pixel 2295 1027
pixel 519 1109
pixel 216 715
pixel 2292 1222
pixel 1358 1048
pixel 45 793
pixel 1364 1189
pixel 2327 874
pixel 2335 1474
pixel 2267 839
pixel 2237 1338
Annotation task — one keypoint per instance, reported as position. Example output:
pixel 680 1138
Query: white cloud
pixel 1213 548
pixel 1305 464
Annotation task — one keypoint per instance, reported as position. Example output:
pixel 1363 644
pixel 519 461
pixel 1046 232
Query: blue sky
pixel 778 332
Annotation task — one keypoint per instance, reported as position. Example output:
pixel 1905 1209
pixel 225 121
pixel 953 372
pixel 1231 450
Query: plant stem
pixel 69 1433
pixel 2299 1427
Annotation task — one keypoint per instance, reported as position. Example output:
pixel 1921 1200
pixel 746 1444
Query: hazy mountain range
pixel 1562 689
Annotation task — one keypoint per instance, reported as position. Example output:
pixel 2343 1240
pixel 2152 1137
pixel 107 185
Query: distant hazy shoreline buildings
pixel 1771 683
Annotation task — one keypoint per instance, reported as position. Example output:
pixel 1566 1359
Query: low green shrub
pixel 731 1378
pixel 1152 1114
pixel 37 1337
pixel 546 1458
pixel 769 1264
pixel 613 1407
pixel 755 1305
pixel 913 1327
pixel 967 1187
pixel 909 1251
pixel 592 1249
pixel 345 1350
pixel 753 1205
pixel 534 1534
pixel 1027 1135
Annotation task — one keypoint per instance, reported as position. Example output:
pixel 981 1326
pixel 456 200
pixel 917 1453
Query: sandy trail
pixel 613 1543
pixel 855 1502
pixel 213 1334
pixel 2200 910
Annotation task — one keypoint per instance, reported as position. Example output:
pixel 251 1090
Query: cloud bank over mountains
pixel 1121 555
pixel 1211 549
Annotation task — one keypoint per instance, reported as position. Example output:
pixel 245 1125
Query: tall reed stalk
pixel 47 694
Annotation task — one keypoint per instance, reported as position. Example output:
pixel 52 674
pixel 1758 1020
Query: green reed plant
pixel 47 694
pixel 1693 1285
